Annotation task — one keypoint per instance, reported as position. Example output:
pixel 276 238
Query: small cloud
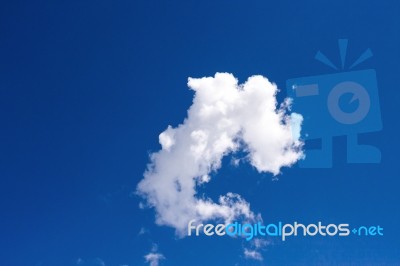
pixel 143 231
pixel 253 254
pixel 259 243
pixel 142 205
pixel 256 245
pixel 90 262
pixel 99 262
pixel 204 179
pixel 154 257
pixel 235 161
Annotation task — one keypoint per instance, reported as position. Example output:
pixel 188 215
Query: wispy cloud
pixel 142 231
pixel 224 118
pixel 256 245
pixel 260 243
pixel 252 254
pixel 91 262
pixel 154 258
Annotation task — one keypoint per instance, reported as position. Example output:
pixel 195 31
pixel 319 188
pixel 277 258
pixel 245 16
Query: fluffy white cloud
pixel 223 118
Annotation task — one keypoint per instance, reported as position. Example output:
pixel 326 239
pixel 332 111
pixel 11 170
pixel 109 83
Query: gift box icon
pixel 342 103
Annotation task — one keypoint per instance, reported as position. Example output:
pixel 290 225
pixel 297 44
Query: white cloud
pixel 252 254
pixel 166 138
pixel 154 258
pixel 142 231
pixel 235 161
pixel 225 117
pixel 260 243
pixel 256 245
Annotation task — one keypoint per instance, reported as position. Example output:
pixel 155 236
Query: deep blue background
pixel 87 86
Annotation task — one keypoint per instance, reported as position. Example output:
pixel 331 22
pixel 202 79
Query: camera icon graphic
pixel 338 104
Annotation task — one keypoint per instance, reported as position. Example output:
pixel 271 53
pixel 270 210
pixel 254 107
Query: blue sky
pixel 86 87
